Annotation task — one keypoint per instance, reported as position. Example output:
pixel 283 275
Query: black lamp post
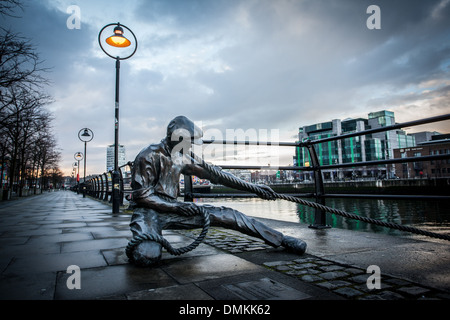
pixel 117 40
pixel 78 156
pixel 85 135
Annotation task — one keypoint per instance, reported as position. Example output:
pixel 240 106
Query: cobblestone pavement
pixel 347 281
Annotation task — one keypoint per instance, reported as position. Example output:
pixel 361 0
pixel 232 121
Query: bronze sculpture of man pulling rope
pixel 155 183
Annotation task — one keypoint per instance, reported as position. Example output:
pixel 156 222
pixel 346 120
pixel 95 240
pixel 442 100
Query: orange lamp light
pixel 118 39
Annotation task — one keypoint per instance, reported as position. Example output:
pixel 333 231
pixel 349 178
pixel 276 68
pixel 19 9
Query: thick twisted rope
pixel 136 240
pixel 258 190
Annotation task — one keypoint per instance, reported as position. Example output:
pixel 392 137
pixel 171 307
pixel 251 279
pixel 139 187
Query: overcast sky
pixel 238 64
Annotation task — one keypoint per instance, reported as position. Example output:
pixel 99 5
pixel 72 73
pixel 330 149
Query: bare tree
pixel 24 122
pixel 27 144
pixel 8 7
pixel 49 158
pixel 19 62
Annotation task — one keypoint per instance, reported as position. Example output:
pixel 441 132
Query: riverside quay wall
pixel 438 187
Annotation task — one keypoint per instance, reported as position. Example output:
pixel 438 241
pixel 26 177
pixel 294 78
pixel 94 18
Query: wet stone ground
pixel 347 281
pixel 40 236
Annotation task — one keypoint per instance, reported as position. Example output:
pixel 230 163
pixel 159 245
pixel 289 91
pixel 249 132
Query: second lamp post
pixel 85 135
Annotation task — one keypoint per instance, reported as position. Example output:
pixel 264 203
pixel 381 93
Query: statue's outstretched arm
pixel 160 204
pixel 225 178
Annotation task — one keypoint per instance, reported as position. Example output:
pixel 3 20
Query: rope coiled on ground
pixel 137 239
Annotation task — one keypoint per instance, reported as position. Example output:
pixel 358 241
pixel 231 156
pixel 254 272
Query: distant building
pixel 424 136
pixel 377 146
pixel 438 144
pixel 110 157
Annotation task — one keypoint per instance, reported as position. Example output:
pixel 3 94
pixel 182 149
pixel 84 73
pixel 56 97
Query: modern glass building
pixel 375 146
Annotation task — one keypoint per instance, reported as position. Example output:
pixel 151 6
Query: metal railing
pixel 319 187
pixel 100 186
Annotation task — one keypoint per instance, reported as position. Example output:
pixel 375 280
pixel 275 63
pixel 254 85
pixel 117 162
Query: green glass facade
pixel 372 147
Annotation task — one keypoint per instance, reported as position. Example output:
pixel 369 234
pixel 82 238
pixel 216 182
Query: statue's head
pixel 183 129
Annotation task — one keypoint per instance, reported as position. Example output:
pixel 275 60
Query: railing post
pixel 106 187
pixel 100 196
pixel 188 189
pixel 320 216
pixel 95 193
pixel 121 193
pixel 112 175
pixel 90 188
pixel 97 187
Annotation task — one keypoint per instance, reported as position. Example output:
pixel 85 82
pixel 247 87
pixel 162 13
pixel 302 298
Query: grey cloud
pixel 295 72
pixel 196 14
pixel 274 64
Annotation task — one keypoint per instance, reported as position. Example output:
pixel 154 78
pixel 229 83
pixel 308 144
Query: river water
pixel 430 215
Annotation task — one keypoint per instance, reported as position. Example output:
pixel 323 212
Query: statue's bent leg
pixel 143 221
pixel 227 218
pixel 232 219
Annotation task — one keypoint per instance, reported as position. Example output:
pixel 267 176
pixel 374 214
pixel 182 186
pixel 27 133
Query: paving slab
pixel 208 267
pixel 27 286
pixel 177 292
pixel 99 244
pixel 263 285
pixel 33 264
pixel 112 280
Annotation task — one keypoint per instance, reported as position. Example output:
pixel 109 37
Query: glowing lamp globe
pixel 118 39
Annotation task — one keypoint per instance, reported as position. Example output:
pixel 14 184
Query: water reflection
pixel 430 215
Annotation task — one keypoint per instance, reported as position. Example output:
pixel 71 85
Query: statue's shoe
pixel 294 245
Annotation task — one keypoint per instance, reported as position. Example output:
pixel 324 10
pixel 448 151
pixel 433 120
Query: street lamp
pixel 74 170
pixel 78 156
pixel 86 136
pixel 117 40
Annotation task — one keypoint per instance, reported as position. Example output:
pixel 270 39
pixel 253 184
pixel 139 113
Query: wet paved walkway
pixel 41 236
